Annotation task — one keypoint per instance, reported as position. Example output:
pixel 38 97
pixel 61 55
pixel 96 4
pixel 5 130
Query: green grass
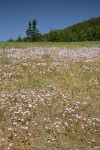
pixel 72 45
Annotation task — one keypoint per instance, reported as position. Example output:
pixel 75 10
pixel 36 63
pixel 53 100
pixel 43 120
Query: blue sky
pixel 50 14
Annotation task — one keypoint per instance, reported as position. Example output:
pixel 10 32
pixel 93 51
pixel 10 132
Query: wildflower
pixel 15 123
pixel 10 144
pixel 30 105
pixel 82 126
pixel 9 129
pixel 24 128
pixel 66 123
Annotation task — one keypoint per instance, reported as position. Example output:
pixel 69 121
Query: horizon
pixel 15 15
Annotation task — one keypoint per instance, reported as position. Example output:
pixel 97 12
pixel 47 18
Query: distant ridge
pixel 88 30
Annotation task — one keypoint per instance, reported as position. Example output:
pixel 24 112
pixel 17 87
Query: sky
pixel 50 14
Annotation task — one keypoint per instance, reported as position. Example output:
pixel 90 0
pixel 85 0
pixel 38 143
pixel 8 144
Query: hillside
pixel 85 31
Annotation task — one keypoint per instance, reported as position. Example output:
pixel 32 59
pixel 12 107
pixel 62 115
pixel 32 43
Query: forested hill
pixel 85 31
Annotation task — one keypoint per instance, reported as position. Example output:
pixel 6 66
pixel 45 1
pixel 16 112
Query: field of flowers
pixel 50 98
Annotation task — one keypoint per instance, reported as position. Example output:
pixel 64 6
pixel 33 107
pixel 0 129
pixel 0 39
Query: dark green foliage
pixel 10 40
pixel 86 31
pixel 19 39
pixel 54 36
pixel 32 32
pixel 29 30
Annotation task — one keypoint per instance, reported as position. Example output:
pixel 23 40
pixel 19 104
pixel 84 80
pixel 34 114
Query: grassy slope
pixel 73 45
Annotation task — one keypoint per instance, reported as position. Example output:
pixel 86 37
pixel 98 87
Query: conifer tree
pixel 29 30
pixel 32 31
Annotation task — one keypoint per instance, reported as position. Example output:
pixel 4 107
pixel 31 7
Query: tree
pixel 10 40
pixel 28 31
pixel 35 31
pixel 32 31
pixel 19 39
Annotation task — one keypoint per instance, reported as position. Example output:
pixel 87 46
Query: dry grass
pixel 50 99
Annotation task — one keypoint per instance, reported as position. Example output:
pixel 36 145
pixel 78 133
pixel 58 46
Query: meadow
pixel 71 45
pixel 50 96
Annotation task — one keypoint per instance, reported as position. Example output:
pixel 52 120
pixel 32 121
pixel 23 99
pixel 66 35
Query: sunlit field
pixel 71 45
pixel 50 96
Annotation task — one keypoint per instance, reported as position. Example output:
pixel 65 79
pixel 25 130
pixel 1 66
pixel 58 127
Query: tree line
pixel 85 31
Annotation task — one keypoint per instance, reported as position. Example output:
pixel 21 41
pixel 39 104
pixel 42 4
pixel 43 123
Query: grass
pixel 49 98
pixel 72 45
